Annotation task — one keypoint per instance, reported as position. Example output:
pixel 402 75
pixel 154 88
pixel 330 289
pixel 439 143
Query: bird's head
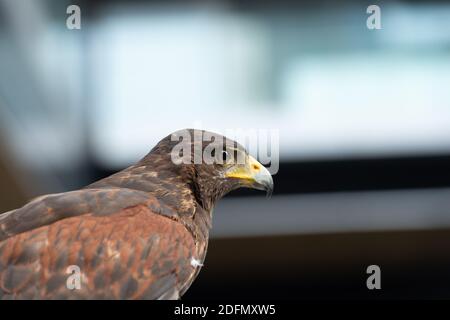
pixel 211 164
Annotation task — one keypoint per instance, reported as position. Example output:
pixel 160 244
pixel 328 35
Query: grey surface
pixel 332 212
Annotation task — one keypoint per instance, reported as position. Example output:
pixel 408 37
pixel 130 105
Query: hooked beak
pixel 253 175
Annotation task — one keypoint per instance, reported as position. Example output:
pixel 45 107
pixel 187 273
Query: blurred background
pixel 363 118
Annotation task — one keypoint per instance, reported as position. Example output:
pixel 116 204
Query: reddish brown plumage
pixel 121 256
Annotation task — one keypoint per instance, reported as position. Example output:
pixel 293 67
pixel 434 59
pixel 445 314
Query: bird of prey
pixel 141 233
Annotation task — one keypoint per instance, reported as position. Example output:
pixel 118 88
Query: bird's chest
pixel 198 258
pixel 196 262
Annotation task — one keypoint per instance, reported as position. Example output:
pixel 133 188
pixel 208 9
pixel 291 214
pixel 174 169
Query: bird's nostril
pixel 255 167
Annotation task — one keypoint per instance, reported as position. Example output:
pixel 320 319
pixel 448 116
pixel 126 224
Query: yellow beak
pixel 252 174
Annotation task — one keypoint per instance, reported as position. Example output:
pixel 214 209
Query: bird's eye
pixel 225 155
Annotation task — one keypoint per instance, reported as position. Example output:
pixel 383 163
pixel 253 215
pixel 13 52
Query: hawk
pixel 141 233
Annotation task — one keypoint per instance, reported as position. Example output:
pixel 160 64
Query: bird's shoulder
pixel 48 209
pixel 135 253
